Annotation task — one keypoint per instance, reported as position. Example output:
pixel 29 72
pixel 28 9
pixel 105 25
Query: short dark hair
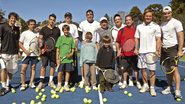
pixel 68 14
pixel 13 14
pixel 88 35
pixel 116 15
pixel 31 20
pixel 106 39
pixel 65 27
pixel 53 15
pixel 89 10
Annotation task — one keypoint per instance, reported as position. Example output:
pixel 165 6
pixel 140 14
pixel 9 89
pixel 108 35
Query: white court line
pixel 100 95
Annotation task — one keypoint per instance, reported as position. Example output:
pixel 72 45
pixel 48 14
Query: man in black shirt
pixel 9 35
pixel 48 31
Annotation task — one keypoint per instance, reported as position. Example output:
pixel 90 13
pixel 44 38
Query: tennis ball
pixel 104 100
pixel 178 99
pixel 125 92
pixel 87 91
pixel 53 91
pixel 73 89
pixel 89 101
pixel 23 103
pixel 61 90
pixel 44 96
pixel 13 102
pixel 57 96
pixel 37 97
pixel 32 102
pixel 37 90
pixel 39 102
pixel 129 94
pixel 40 93
pixel 85 100
pixel 42 90
pixel 13 90
pixel 184 79
pixel 52 96
pixel 43 99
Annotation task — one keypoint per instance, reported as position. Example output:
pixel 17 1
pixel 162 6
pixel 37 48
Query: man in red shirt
pixel 128 59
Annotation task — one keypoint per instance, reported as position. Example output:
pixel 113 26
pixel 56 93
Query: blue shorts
pixel 65 67
pixel 31 59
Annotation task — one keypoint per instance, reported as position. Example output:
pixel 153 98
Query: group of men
pixel 165 40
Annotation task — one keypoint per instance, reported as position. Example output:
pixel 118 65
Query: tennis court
pixel 116 97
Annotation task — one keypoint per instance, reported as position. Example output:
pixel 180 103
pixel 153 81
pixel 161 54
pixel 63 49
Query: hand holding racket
pixel 49 45
pixel 58 63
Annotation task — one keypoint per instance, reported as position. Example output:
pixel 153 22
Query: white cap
pixel 103 18
pixel 167 9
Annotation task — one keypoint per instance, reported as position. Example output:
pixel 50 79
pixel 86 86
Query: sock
pixel 83 79
pixel 66 84
pixel 42 79
pixel 125 82
pixel 151 86
pixel 3 84
pixel 146 84
pixel 50 78
pixel 8 82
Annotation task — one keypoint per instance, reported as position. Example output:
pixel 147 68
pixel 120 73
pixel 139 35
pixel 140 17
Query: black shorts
pixel 169 52
pixel 31 59
pixel 49 57
pixel 130 62
pixel 65 67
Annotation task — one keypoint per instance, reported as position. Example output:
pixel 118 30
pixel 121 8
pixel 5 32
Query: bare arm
pixel 158 46
pixel 136 51
pixel 180 36
pixel 24 50
pixel 57 57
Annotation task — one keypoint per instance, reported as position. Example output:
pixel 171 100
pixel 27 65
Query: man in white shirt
pixel 89 25
pixel 27 37
pixel 173 39
pixel 148 38
pixel 74 32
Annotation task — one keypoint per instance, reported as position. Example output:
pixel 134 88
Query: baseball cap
pixel 103 18
pixel 167 9
pixel 68 14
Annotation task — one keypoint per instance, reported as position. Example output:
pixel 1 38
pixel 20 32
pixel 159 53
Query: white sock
pixel 8 82
pixel 145 84
pixel 41 76
pixel 66 84
pixel 124 82
pixel 151 86
pixel 50 78
pixel 3 84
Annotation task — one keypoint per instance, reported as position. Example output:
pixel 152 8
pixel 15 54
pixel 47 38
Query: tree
pixel 157 12
pixel 2 12
pixel 107 16
pixel 136 15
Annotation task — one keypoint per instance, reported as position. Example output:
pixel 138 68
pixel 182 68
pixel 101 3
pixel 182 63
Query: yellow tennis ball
pixel 37 97
pixel 89 101
pixel 13 90
pixel 129 94
pixel 43 99
pixel 40 93
pixel 87 91
pixel 32 102
pixel 39 102
pixel 85 100
pixel 23 103
pixel 44 96
pixel 125 92
pixel 57 96
pixel 52 96
pixel 42 90
pixel 61 90
pixel 53 91
pixel 104 100
pixel 13 102
pixel 73 89
pixel 37 90
pixel 178 99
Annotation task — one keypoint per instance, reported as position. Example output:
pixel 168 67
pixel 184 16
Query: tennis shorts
pixel 65 67
pixel 10 62
pixel 31 59
pixel 141 64
pixel 129 62
pixel 49 57
pixel 169 52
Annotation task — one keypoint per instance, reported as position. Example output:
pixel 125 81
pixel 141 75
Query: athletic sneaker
pixel 130 83
pixel 120 83
pixel 40 85
pixel 138 85
pixel 66 88
pixel 178 94
pixel 58 88
pixel 94 88
pixel 23 87
pixel 144 89
pixel 152 92
pixel 51 84
pixel 81 84
pixel 166 91
pixel 32 85
pixel 123 86
pixel 4 91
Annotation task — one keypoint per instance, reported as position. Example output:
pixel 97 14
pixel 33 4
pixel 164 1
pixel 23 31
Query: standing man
pixel 74 32
pixel 26 38
pixel 48 57
pixel 104 30
pixel 173 39
pixel 9 35
pixel 118 25
pixel 128 59
pixel 89 25
pixel 148 38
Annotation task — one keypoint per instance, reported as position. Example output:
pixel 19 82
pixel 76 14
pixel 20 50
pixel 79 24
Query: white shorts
pixel 141 64
pixel 10 62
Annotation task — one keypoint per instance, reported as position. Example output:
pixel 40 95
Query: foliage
pixel 136 15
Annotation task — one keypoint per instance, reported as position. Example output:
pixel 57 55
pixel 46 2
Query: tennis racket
pixel 166 62
pixel 49 44
pixel 33 47
pixel 148 58
pixel 128 45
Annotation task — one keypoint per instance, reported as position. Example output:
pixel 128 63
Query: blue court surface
pixel 116 97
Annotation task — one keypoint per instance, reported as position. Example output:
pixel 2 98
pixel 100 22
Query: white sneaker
pixel 51 84
pixel 58 88
pixel 120 84
pixel 94 88
pixel 40 85
pixel 66 88
pixel 23 87
pixel 123 86
pixel 138 85
pixel 144 89
pixel 130 83
pixel 32 85
pixel 81 85
pixel 152 92
pixel 178 94
pixel 166 91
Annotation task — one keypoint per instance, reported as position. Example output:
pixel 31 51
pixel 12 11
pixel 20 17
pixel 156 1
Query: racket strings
pixel 169 65
pixel 128 46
